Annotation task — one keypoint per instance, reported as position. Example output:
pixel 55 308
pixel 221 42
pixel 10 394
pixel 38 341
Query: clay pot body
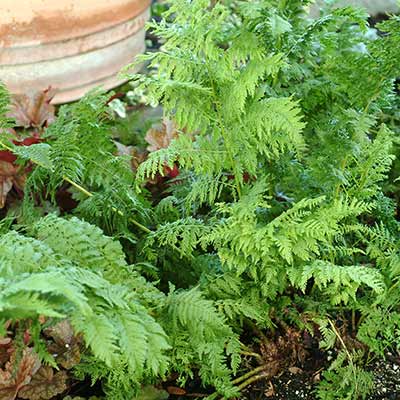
pixel 72 45
pixel 374 7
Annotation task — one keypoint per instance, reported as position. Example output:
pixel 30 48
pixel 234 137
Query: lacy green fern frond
pixel 63 274
pixel 186 234
pixel 201 335
pixel 103 182
pixel 340 283
pixel 350 380
pixel 83 243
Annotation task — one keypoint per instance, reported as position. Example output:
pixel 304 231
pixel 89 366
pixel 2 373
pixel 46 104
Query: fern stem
pixel 119 212
pixel 341 340
pixel 139 225
pixel 251 380
pixel 251 354
pixel 350 358
pixel 258 331
pixel 222 129
pixel 248 374
pixel 2 144
pixel 77 186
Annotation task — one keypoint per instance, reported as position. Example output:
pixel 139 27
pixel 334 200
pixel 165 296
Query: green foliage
pixel 202 337
pixel 282 183
pixel 69 269
pixel 349 380
pixel 278 220
pixel 103 182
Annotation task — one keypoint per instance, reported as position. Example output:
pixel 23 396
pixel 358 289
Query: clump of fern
pixel 278 218
pixel 69 269
pixel 79 151
pixel 281 187
pixel 66 268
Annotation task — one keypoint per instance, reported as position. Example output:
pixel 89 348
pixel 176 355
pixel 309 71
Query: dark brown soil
pixel 301 385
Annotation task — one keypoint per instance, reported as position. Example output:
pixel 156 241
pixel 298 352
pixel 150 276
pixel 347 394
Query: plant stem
pixel 248 375
pixel 251 354
pixel 84 191
pixel 257 331
pixel 350 358
pixel 77 186
pixel 251 380
pixel 119 212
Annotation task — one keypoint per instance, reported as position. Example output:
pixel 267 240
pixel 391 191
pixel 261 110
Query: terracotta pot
pixel 373 7
pixel 71 45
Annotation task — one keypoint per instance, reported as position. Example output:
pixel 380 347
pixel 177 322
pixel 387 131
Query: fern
pixel 350 381
pixel 201 335
pixel 62 273
pixel 339 283
pixel 280 216
pixel 102 182
pixel 186 234
pixel 281 184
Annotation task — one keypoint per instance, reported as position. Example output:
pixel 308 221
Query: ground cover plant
pixel 257 233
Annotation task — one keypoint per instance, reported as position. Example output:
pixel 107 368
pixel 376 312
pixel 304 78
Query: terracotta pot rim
pixel 70 47
pixel 18 35
pixel 17 46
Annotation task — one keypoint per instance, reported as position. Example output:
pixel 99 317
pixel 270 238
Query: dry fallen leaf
pixel 137 156
pixel 8 173
pixel 123 150
pixel 33 109
pixel 295 370
pixel 17 373
pixel 10 176
pixel 177 391
pixel 45 384
pixel 283 352
pixel 316 377
pixel 5 350
pixel 161 137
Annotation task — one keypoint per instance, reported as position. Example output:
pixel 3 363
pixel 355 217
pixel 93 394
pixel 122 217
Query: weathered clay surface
pixel 373 7
pixel 27 22
pixel 71 45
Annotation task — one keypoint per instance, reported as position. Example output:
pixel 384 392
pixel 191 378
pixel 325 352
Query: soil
pixel 387 380
pixel 300 385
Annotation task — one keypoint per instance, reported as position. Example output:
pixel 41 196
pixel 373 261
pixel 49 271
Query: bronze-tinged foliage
pixel 45 384
pixel 18 372
pixel 65 345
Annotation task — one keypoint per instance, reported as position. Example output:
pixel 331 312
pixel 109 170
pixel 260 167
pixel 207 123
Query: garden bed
pixel 226 225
